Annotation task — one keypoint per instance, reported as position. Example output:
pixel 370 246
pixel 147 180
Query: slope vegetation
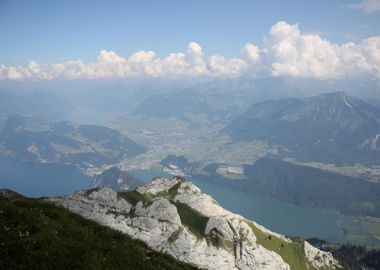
pixel 36 234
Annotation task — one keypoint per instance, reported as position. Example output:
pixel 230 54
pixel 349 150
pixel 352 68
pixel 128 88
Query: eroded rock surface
pixel 175 217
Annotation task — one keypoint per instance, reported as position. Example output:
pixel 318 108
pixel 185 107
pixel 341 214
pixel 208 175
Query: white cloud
pixel 251 53
pixel 367 6
pixel 295 54
pixel 196 65
pixel 220 66
pixel 286 52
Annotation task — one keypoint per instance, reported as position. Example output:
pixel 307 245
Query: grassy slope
pixel 194 220
pixel 39 235
pixel 292 253
pixel 372 226
pixel 133 197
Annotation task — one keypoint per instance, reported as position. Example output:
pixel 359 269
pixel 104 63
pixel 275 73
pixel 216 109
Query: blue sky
pixel 55 31
pixel 323 39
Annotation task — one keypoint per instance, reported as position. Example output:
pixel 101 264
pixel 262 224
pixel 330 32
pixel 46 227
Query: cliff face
pixel 175 217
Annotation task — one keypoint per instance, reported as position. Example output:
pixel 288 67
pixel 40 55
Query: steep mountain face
pixel 334 128
pixel 175 217
pixel 32 139
pixel 116 179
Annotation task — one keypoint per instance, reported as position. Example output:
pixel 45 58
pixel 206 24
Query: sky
pixel 218 38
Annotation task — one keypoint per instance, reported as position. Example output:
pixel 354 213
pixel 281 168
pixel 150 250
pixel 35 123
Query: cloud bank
pixel 286 52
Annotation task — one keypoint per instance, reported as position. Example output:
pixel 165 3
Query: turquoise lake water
pixel 37 180
pixel 283 217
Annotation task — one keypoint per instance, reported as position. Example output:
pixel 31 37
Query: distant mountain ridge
pixel 216 104
pixel 116 179
pixel 32 139
pixel 333 127
pixel 297 184
pixel 36 102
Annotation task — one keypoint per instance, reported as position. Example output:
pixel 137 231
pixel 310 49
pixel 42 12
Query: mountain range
pixel 217 105
pixel 332 128
pixel 31 103
pixel 33 139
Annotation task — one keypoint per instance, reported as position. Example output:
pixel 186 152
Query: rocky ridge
pixel 175 217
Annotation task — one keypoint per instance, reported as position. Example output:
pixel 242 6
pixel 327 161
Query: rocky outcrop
pixel 316 257
pixel 175 217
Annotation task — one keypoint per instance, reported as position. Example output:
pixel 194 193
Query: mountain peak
pixel 338 97
pixel 315 128
pixel 175 217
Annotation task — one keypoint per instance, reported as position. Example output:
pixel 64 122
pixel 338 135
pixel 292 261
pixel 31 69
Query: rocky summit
pixel 173 216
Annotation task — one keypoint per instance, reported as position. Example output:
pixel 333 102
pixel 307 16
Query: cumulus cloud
pixel 295 54
pixel 220 66
pixel 251 53
pixel 286 52
pixel 367 6
pixel 298 55
pixel 109 64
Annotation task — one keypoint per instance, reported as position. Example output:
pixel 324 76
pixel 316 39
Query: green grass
pixel 133 197
pixel 192 219
pixel 39 235
pixel 220 243
pixel 292 253
pixel 372 226
pixel 171 192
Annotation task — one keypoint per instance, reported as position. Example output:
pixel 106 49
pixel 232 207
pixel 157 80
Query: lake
pixel 37 180
pixel 283 217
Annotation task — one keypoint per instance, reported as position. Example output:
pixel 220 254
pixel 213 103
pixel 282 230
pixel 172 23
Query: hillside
pixel 36 102
pixel 33 139
pixel 214 104
pixel 35 234
pixel 116 179
pixel 175 217
pixel 351 257
pixel 331 128
pixel 297 184
pixel 312 187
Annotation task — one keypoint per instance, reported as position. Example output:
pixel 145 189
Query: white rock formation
pixel 175 217
pixel 316 257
